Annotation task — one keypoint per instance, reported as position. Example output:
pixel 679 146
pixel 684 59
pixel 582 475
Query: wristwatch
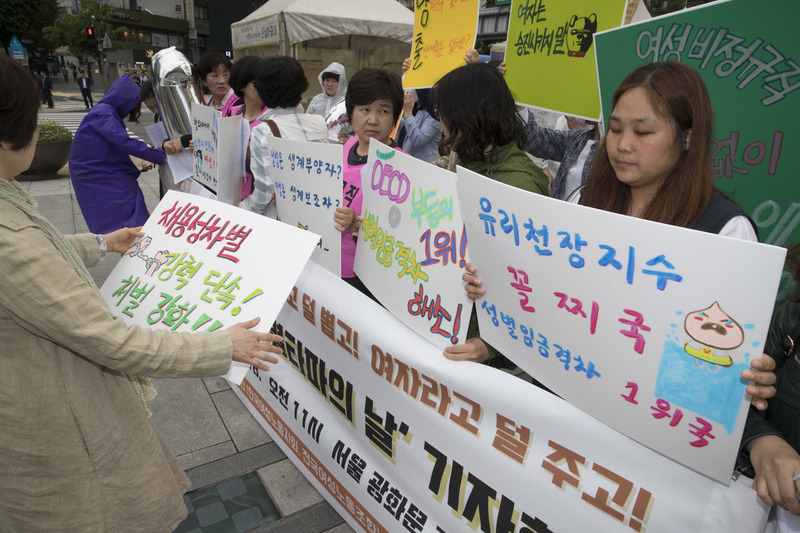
pixel 101 243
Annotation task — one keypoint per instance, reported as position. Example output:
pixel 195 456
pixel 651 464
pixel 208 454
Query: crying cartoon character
pixel 714 330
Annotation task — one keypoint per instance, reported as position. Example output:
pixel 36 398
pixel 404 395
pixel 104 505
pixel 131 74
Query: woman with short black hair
pixel 243 73
pixel 484 132
pixel 280 84
pixel 249 106
pixel 374 101
pixel 215 71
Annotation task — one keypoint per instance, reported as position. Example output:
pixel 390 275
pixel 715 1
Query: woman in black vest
pixel 653 164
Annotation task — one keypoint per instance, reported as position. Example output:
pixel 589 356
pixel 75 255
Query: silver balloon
pixel 173 84
pixel 337 112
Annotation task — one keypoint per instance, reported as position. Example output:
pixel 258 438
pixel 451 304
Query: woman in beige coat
pixel 77 449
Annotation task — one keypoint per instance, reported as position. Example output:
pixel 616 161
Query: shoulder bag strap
pixel 273 128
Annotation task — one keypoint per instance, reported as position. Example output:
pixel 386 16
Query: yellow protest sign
pixel 550 54
pixel 443 32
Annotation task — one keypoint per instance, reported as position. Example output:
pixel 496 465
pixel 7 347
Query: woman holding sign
pixel 654 161
pixel 215 71
pixel 280 83
pixel 77 449
pixel 374 101
pixel 482 129
pixel 654 164
pixel 249 106
pixel 484 133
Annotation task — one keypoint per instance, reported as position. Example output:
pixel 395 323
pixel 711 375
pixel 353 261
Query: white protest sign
pixel 182 164
pixel 218 152
pixel 645 326
pixel 308 189
pixel 412 245
pixel 399 439
pixel 157 132
pixel 205 265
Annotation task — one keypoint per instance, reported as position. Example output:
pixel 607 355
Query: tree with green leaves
pixel 661 7
pixel 25 20
pixel 70 29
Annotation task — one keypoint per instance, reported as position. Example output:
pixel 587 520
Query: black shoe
pixel 87 109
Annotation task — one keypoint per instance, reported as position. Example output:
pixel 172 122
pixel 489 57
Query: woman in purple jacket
pixel 102 173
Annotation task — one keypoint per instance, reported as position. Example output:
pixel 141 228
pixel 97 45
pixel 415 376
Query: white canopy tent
pixel 296 21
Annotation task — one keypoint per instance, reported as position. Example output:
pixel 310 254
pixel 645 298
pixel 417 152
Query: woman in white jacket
pixel 334 88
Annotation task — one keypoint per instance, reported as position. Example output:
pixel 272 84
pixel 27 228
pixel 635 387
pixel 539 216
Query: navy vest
pixel 719 211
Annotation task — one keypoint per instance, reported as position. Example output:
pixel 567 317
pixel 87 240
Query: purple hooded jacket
pixel 102 173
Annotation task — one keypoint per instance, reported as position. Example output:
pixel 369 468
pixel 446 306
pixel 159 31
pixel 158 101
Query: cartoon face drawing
pixel 714 328
pixel 579 34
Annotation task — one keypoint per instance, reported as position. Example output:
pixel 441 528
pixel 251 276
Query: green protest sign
pixel 748 65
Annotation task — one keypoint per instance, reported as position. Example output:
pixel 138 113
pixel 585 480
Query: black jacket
pixel 782 417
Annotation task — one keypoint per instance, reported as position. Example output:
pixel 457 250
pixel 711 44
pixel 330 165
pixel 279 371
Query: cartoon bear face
pixel 579 34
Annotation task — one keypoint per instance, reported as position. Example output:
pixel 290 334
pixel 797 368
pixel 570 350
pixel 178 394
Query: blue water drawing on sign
pixel 711 391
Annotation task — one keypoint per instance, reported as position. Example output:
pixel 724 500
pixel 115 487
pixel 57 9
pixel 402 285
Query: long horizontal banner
pixel 398 438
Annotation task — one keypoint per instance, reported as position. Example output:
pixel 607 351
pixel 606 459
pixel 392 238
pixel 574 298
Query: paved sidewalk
pixel 207 427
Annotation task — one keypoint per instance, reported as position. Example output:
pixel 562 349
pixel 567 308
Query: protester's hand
pixel 408 104
pixel 573 124
pixel 121 240
pixel 406 64
pixel 344 219
pixel 251 347
pixel 172 147
pixel 473 287
pixel 474 350
pixel 472 56
pixel 357 226
pixel 191 145
pixel 763 378
pixel 776 463
pixel 502 68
